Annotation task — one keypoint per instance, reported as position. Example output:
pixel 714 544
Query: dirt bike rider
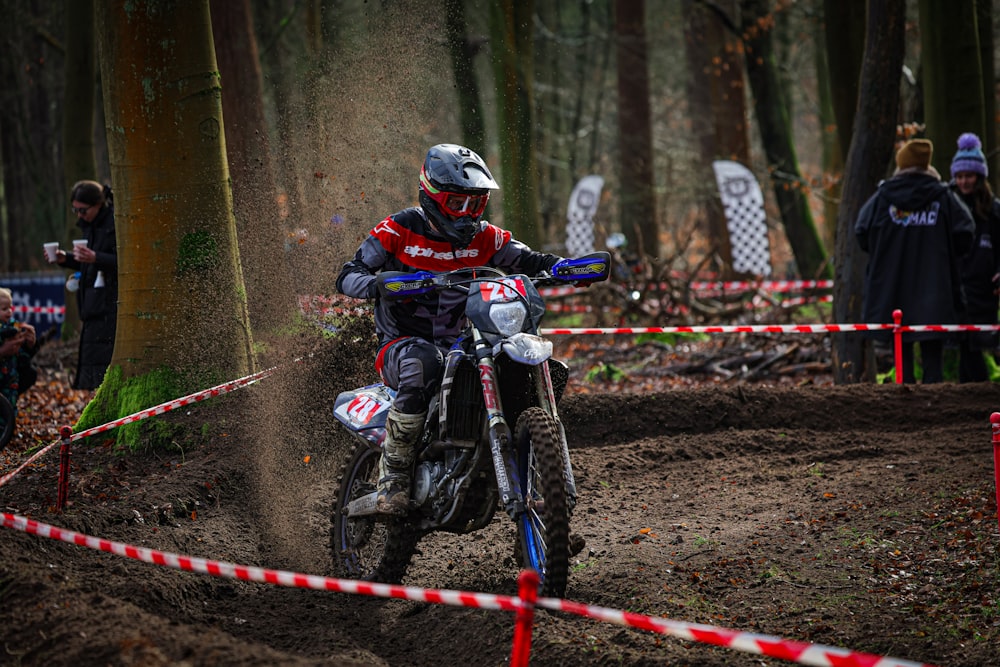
pixel 445 232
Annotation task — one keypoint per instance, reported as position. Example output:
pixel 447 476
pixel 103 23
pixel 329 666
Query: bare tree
pixel 984 21
pixel 635 134
pixel 32 203
pixel 511 29
pixel 776 135
pixel 718 106
pixel 463 51
pixel 869 154
pixel 79 161
pixel 952 75
pixel 248 151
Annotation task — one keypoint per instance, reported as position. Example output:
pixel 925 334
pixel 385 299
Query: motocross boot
pixel 401 434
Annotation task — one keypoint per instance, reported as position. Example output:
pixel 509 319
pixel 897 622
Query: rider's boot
pixel 401 434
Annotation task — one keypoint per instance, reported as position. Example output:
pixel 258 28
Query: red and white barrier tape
pixel 769 285
pixel 772 328
pixel 149 412
pixel 560 291
pixel 212 392
pixel 801 652
pixel 553 307
pixel 45 310
pixel 335 304
pixel 802 300
pixel 709 288
pixel 260 574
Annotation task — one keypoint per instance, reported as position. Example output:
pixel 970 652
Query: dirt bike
pixel 492 438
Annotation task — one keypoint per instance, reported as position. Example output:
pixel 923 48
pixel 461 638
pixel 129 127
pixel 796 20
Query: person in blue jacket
pixel 981 268
pixel 445 232
pixel 915 231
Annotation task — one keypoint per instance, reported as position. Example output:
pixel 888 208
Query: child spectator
pixel 17 343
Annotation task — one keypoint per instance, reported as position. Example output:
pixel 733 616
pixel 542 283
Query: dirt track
pixel 861 517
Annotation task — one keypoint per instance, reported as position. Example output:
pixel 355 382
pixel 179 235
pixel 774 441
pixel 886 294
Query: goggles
pixel 454 204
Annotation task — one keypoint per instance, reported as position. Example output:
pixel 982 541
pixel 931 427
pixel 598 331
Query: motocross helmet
pixel 455 185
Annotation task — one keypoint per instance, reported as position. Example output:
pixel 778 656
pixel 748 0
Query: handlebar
pixel 594 267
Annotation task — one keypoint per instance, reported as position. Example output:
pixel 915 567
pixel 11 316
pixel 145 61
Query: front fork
pixel 498 430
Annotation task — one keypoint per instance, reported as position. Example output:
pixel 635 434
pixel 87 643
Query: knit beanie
pixel 916 153
pixel 969 156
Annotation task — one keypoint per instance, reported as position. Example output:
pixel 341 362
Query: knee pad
pixel 419 378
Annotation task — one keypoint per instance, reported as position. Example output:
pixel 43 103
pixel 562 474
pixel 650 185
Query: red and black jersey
pixel 404 241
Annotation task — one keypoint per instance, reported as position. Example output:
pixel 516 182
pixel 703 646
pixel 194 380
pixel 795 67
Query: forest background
pixel 313 117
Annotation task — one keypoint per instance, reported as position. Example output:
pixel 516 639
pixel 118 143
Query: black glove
pixel 372 289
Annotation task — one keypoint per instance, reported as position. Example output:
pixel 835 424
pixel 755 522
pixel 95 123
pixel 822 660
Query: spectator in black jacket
pixel 915 231
pixel 981 268
pixel 97 296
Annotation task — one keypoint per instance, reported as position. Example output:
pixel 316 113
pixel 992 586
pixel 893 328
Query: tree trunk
pixel 30 134
pixel 594 154
pixel 79 162
pixel 718 107
pixel 728 91
pixel 952 76
pixel 81 84
pixel 776 135
pixel 555 182
pixel 984 21
pixel 871 150
pixel 269 294
pixel 182 316
pixel 703 75
pixel 282 73
pixel 511 30
pixel 844 24
pixel 832 157
pixel 635 134
pixel 466 83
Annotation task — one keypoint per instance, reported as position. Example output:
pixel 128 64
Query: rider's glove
pixel 372 290
pixel 554 270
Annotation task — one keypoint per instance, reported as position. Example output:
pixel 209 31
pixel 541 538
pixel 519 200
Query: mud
pixel 861 517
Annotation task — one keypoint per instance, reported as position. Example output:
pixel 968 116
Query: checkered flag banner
pixel 744 206
pixel 580 216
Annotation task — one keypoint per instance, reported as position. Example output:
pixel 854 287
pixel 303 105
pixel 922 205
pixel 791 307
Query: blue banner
pixel 39 298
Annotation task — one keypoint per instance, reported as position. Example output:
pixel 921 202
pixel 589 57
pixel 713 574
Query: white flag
pixel 745 217
pixel 580 215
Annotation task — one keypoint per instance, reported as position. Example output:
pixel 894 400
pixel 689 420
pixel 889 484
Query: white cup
pixel 50 251
pixel 78 243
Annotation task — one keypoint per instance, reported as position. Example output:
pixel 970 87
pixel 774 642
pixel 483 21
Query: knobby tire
pixel 368 548
pixel 543 529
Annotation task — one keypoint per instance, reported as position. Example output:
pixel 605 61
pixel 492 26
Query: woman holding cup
pixel 95 256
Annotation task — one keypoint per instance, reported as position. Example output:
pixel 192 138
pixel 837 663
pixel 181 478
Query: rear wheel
pixel 374 547
pixel 543 529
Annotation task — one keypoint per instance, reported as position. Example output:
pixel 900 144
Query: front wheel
pixel 543 528
pixel 370 548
